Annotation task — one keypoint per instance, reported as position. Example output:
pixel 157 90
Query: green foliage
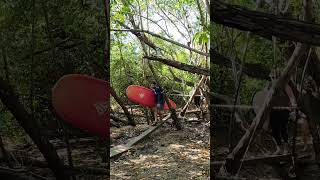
pixel 176 20
pixel 79 29
pixel 202 37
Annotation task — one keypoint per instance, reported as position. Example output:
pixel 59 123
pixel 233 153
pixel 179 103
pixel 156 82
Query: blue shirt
pixel 159 95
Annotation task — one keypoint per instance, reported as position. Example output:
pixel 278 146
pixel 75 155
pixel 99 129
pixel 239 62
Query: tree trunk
pixel 11 101
pixel 263 24
pixel 125 110
pixel 106 61
pixel 179 65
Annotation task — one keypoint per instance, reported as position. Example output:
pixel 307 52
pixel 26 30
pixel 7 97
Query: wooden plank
pixel 117 150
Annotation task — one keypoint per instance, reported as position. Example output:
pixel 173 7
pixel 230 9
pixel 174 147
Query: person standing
pixel 159 97
pixel 279 118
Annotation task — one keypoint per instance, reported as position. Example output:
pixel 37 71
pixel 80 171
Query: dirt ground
pixel 165 154
pixel 84 156
pixel 263 146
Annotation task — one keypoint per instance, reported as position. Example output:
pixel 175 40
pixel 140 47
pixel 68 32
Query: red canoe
pixel 144 97
pixel 82 101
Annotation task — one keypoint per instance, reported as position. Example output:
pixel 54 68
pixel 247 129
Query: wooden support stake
pixel 192 96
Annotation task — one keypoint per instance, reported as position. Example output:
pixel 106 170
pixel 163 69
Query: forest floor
pixel 30 162
pixel 165 154
pixel 262 147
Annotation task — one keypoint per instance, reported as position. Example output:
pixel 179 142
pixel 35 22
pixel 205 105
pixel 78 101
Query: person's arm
pixel 291 95
pixel 154 90
pixel 161 90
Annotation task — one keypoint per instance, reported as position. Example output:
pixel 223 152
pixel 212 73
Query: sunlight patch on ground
pixel 166 154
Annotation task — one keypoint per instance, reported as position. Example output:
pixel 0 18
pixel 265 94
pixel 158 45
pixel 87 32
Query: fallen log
pixel 179 65
pixel 117 150
pixel 264 24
